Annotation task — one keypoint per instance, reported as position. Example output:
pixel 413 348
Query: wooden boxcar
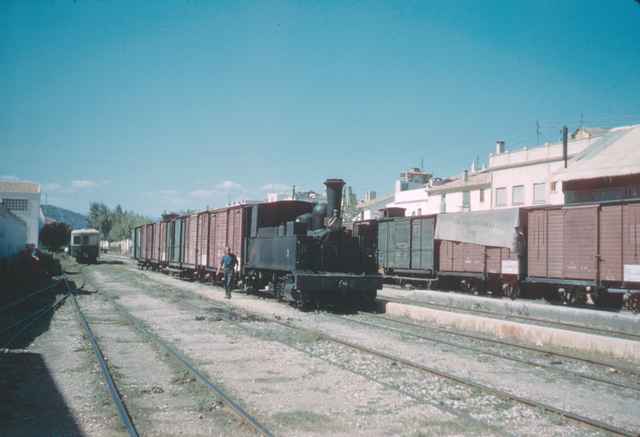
pixel 406 246
pixel 577 251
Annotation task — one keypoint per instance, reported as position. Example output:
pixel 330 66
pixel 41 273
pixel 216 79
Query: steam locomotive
pixel 297 251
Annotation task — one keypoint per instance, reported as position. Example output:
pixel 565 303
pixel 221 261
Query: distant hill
pixel 73 219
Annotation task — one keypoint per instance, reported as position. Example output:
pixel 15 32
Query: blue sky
pixel 164 105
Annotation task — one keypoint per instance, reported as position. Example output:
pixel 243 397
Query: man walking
pixel 228 264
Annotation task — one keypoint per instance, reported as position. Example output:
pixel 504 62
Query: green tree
pixel 55 235
pixel 101 218
pixel 115 224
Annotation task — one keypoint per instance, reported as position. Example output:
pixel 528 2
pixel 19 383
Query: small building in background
pixel 23 199
pixel 369 196
pixel 13 233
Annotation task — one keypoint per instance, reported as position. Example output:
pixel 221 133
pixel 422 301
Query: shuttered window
pixel 517 195
pixel 538 193
pixel 501 197
pixel 466 200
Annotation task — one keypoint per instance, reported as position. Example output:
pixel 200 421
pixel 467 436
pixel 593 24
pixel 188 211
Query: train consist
pixel 574 254
pixel 297 251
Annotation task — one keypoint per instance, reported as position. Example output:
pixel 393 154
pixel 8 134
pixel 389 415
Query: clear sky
pixel 163 105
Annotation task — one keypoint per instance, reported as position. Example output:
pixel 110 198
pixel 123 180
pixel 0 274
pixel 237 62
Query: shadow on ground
pixel 31 403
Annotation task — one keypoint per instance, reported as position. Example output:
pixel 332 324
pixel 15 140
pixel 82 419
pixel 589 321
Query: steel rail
pixel 113 390
pixel 461 380
pixel 573 326
pixel 465 381
pixel 30 320
pixel 494 354
pixel 516 345
pixel 234 406
pixel 28 296
pixel 595 423
pixel 230 310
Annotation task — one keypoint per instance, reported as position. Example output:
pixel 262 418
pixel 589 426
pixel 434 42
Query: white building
pixel 512 178
pixel 13 233
pixel 23 200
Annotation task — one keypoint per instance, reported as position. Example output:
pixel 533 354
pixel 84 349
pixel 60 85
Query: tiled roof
pixel 19 187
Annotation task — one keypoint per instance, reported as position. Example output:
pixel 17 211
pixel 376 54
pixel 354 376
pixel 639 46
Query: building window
pixel 517 195
pixel 501 196
pixel 554 186
pixel 466 200
pixel 482 195
pixel 538 193
pixel 443 203
pixel 16 204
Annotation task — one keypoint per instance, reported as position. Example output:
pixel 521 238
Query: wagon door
pixel 383 235
pixel 631 242
pixel 555 243
pixel 422 244
pixel 537 243
pixel 401 243
pixel 611 243
pixel 446 256
pixel 580 242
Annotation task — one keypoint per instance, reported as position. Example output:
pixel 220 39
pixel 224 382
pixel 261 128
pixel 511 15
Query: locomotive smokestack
pixel 334 196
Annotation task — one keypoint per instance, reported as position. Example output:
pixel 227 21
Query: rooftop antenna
pixel 422 163
pixel 538 131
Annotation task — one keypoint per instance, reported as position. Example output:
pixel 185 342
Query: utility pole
pixel 565 147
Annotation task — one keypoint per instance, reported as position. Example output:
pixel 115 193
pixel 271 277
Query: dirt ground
pixel 293 383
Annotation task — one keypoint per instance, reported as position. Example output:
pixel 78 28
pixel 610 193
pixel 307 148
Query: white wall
pixel 30 216
pixel 527 176
pixel 13 234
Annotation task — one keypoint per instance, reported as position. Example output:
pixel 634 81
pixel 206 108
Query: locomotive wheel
pixel 508 291
pixel 516 292
pixel 633 302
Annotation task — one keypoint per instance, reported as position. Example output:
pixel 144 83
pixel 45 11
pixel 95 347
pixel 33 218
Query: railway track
pixel 118 402
pixel 244 416
pixel 479 350
pixel 530 320
pixel 468 382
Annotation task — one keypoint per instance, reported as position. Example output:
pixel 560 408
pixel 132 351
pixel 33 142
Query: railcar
pixel 585 252
pixel 85 245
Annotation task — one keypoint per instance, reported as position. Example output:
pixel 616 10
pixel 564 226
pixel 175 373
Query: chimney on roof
pixel 466 175
pixel 499 147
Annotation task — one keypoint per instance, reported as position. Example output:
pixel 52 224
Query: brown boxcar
pixel 163 242
pixel 190 241
pixel 148 242
pixel 155 248
pixel 202 245
pixel 227 228
pixel 584 249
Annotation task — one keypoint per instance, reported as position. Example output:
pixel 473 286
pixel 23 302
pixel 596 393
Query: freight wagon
pixel 474 251
pixel 585 252
pixel 482 251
